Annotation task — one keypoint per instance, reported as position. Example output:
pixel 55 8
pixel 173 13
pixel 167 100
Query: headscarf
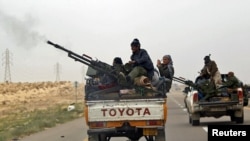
pixel 170 59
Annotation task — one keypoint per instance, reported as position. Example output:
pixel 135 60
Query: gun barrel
pixel 183 81
pixel 85 59
pixel 58 46
pixel 179 80
pixel 49 42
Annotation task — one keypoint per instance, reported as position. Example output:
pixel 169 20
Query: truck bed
pixel 118 93
pixel 219 101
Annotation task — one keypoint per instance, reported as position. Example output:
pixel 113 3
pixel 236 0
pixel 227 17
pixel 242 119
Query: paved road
pixel 71 131
pixel 177 126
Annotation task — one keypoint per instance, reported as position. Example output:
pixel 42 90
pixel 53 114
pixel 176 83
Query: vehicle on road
pixel 113 110
pixel 220 102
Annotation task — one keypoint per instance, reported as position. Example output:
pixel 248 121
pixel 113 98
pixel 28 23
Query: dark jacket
pixel 143 59
pixel 167 71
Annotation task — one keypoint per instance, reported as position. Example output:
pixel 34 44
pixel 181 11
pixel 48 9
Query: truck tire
pixel 194 119
pixel 195 122
pixel 103 137
pixel 93 137
pixel 149 138
pixel 161 135
pixel 190 119
pixel 98 137
pixel 239 119
pixel 245 103
pixel 232 117
pixel 185 101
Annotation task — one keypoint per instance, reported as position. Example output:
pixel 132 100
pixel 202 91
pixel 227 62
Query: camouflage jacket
pixel 232 82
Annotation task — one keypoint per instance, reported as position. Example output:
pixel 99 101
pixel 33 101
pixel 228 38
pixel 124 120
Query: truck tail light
pixel 240 96
pixel 195 97
pixel 153 122
pixel 97 124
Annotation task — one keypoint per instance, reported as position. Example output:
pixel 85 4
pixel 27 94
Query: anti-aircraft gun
pixel 98 72
pixel 184 81
pixel 189 83
pixel 204 86
pixel 87 60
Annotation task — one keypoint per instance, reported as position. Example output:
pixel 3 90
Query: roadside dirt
pixel 22 97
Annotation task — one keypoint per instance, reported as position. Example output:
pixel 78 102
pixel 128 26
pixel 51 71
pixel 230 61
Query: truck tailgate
pixel 133 109
pixel 218 103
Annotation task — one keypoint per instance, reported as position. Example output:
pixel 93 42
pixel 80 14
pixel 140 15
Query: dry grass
pixel 21 97
pixel 17 100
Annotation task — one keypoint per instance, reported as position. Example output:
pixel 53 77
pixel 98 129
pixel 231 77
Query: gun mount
pixel 184 81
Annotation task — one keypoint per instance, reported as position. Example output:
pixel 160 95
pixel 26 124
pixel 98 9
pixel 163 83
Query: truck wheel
pixel 98 137
pixel 93 137
pixel 232 117
pixel 245 103
pixel 241 118
pixel 161 135
pixel 195 122
pixel 150 138
pixel 185 101
pixel 194 119
pixel 190 119
pixel 103 137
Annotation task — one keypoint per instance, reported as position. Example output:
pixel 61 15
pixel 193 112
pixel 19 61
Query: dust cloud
pixel 20 31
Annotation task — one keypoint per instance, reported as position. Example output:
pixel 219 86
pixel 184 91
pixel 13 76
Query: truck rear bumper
pixel 125 128
pixel 102 130
pixel 216 108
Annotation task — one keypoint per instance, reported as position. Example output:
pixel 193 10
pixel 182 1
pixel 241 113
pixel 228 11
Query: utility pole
pixel 58 70
pixel 7 62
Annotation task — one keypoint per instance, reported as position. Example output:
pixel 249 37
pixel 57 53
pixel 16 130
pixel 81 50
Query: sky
pixel 188 30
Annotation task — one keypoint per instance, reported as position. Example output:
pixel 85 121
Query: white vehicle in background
pixel 217 105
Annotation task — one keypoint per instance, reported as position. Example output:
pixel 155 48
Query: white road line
pixel 205 128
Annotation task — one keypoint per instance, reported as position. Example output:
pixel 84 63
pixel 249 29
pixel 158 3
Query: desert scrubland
pixel 25 96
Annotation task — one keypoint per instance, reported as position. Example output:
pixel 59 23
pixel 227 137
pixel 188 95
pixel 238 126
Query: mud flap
pixel 150 131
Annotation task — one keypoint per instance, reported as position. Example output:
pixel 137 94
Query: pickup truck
pixel 222 103
pixel 114 111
